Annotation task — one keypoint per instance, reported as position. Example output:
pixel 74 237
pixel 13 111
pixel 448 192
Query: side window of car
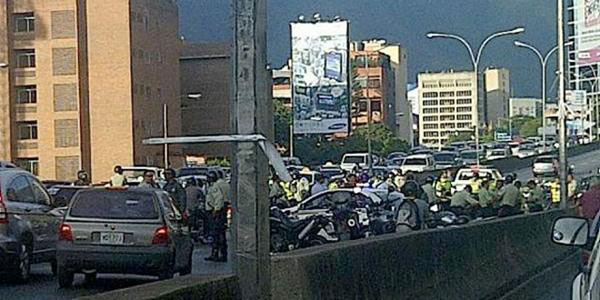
pixel 19 190
pixel 316 203
pixel 41 196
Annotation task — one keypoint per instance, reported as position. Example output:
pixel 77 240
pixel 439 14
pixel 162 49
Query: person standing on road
pixel 511 199
pixel 195 199
pixel 429 191
pixel 175 190
pixel 148 181
pixel 399 180
pixel 215 209
pixel 443 185
pixel 537 197
pixel 118 179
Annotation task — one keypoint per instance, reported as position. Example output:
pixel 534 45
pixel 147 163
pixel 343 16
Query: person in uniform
pixel 215 210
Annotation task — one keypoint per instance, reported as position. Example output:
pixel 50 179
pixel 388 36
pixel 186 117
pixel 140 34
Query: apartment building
pixel 282 87
pixel 447 106
pixel 84 82
pixel 497 95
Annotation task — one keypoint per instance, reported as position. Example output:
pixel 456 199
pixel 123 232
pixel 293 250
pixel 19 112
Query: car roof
pixel 446 152
pixel 418 156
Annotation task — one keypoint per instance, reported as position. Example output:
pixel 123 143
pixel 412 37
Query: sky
pixel 406 22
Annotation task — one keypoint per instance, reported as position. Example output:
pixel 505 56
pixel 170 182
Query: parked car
pixel 28 228
pixel 418 163
pixel 545 165
pixel 499 154
pixel 135 175
pixel 446 159
pixel 572 231
pixel 469 157
pixel 463 176
pixel 527 150
pixel 350 160
pixel 124 230
pixel 330 170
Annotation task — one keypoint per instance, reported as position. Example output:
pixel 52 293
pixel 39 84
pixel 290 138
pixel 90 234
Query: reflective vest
pixel 555 192
pixel 475 184
pixel 289 194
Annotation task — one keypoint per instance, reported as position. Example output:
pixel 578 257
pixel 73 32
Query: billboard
pixel 587 31
pixel 320 89
pixel 576 100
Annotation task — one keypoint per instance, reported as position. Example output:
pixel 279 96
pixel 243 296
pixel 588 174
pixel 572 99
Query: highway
pixel 44 286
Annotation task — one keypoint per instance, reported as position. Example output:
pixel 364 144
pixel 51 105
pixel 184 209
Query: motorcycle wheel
pixel 317 241
pixel 278 243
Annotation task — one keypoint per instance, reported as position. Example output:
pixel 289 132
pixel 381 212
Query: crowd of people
pixel 199 202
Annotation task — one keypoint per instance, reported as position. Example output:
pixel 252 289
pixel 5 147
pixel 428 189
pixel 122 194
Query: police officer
pixel 537 198
pixel 475 183
pixel 429 191
pixel 82 178
pixel 443 185
pixel 486 200
pixel 555 193
pixel 463 203
pixel 175 190
pixel 215 210
pixel 510 199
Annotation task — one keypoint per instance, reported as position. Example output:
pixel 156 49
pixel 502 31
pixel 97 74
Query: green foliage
pixel 282 121
pixel 461 137
pixel 530 128
pixel 223 162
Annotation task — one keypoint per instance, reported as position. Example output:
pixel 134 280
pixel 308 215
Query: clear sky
pixel 406 22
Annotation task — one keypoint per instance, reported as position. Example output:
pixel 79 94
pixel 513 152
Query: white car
pixel 572 231
pixel 350 160
pixel 320 204
pixel 463 176
pixel 418 163
pixel 545 165
pixel 135 175
pixel 526 151
pixel 499 153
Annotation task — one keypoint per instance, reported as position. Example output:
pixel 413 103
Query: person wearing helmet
pixel 429 191
pixel 510 199
pixel 82 178
pixel 118 179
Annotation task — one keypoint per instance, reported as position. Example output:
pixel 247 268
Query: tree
pixel 282 120
pixel 461 137
pixel 530 128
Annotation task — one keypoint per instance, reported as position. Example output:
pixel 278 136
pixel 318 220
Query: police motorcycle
pixel 288 234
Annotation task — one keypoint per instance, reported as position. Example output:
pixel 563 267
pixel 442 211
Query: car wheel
pixel 23 267
pixel 65 277
pixel 53 267
pixel 187 270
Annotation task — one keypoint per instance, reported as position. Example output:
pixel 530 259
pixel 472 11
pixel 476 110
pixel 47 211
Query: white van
pixel 418 163
pixel 349 160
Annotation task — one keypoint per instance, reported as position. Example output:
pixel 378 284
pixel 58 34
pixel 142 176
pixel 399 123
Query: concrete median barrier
pixel 470 262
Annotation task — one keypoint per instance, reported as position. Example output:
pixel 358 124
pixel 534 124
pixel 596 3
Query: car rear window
pixel 544 160
pixel 359 159
pixel 415 162
pixel 114 205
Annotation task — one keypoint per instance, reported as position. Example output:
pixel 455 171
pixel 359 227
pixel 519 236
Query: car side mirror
pixel 570 231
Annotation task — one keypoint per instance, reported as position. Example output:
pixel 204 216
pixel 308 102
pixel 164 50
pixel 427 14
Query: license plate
pixel 111 238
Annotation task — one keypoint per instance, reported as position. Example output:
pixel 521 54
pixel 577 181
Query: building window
pixel 31 165
pixel 447 118
pixel 28 130
pixel 26 94
pixel 447 94
pixel 447 102
pixel 447 126
pixel 430 95
pixel 375 106
pixel 66 133
pixel 430 126
pixel 24 23
pixel 374 83
pixel 446 83
pixel 463 109
pixel 447 110
pixel 464 117
pixel 430 119
pixel 463 83
pixel 430 110
pixel 430 84
pixel 463 93
pixel 463 125
pixel 25 58
pixel 430 103
pixel 463 101
pixel 431 134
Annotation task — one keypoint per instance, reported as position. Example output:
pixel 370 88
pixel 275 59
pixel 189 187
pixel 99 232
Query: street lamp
pixel 543 63
pixel 475 60
pixel 194 96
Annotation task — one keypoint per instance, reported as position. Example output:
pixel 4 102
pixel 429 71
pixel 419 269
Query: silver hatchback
pixel 127 231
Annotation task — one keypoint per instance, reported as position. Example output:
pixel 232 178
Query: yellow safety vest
pixel 475 183
pixel 555 192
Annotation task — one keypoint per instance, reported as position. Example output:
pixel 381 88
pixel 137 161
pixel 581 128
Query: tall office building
pixel 447 106
pixel 497 95
pixel 84 82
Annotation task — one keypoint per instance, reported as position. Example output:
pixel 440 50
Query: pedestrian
pixel 223 186
pixel 510 202
pixel 215 210
pixel 319 185
pixel 195 200
pixel 175 190
pixel 486 200
pixel 148 181
pixel 463 203
pixel 429 191
pixel 411 186
pixel 475 182
pixel 118 179
pixel 83 179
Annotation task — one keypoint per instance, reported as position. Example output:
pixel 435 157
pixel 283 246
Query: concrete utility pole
pixel 562 130
pixel 250 92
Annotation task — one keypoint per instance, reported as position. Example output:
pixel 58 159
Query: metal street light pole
pixel 475 60
pixel 562 151
pixel 544 63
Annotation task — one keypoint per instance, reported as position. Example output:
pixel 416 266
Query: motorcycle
pixel 288 234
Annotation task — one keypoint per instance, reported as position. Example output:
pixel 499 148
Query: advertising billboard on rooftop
pixel 587 31
pixel 320 89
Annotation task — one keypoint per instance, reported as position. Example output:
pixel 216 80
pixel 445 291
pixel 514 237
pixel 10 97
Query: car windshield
pixel 498 153
pixel 469 155
pixel 544 160
pixel 192 171
pixel 415 162
pixel 444 157
pixel 108 204
pixel 354 159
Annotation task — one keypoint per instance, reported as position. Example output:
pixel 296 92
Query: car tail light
pixel 161 236
pixel 65 233
pixel 3 212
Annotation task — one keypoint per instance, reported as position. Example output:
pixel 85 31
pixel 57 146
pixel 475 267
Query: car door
pixel 49 223
pixel 179 232
pixel 23 205
pixel 315 205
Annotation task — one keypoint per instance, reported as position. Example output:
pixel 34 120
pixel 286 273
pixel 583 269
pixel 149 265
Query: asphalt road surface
pixel 45 286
